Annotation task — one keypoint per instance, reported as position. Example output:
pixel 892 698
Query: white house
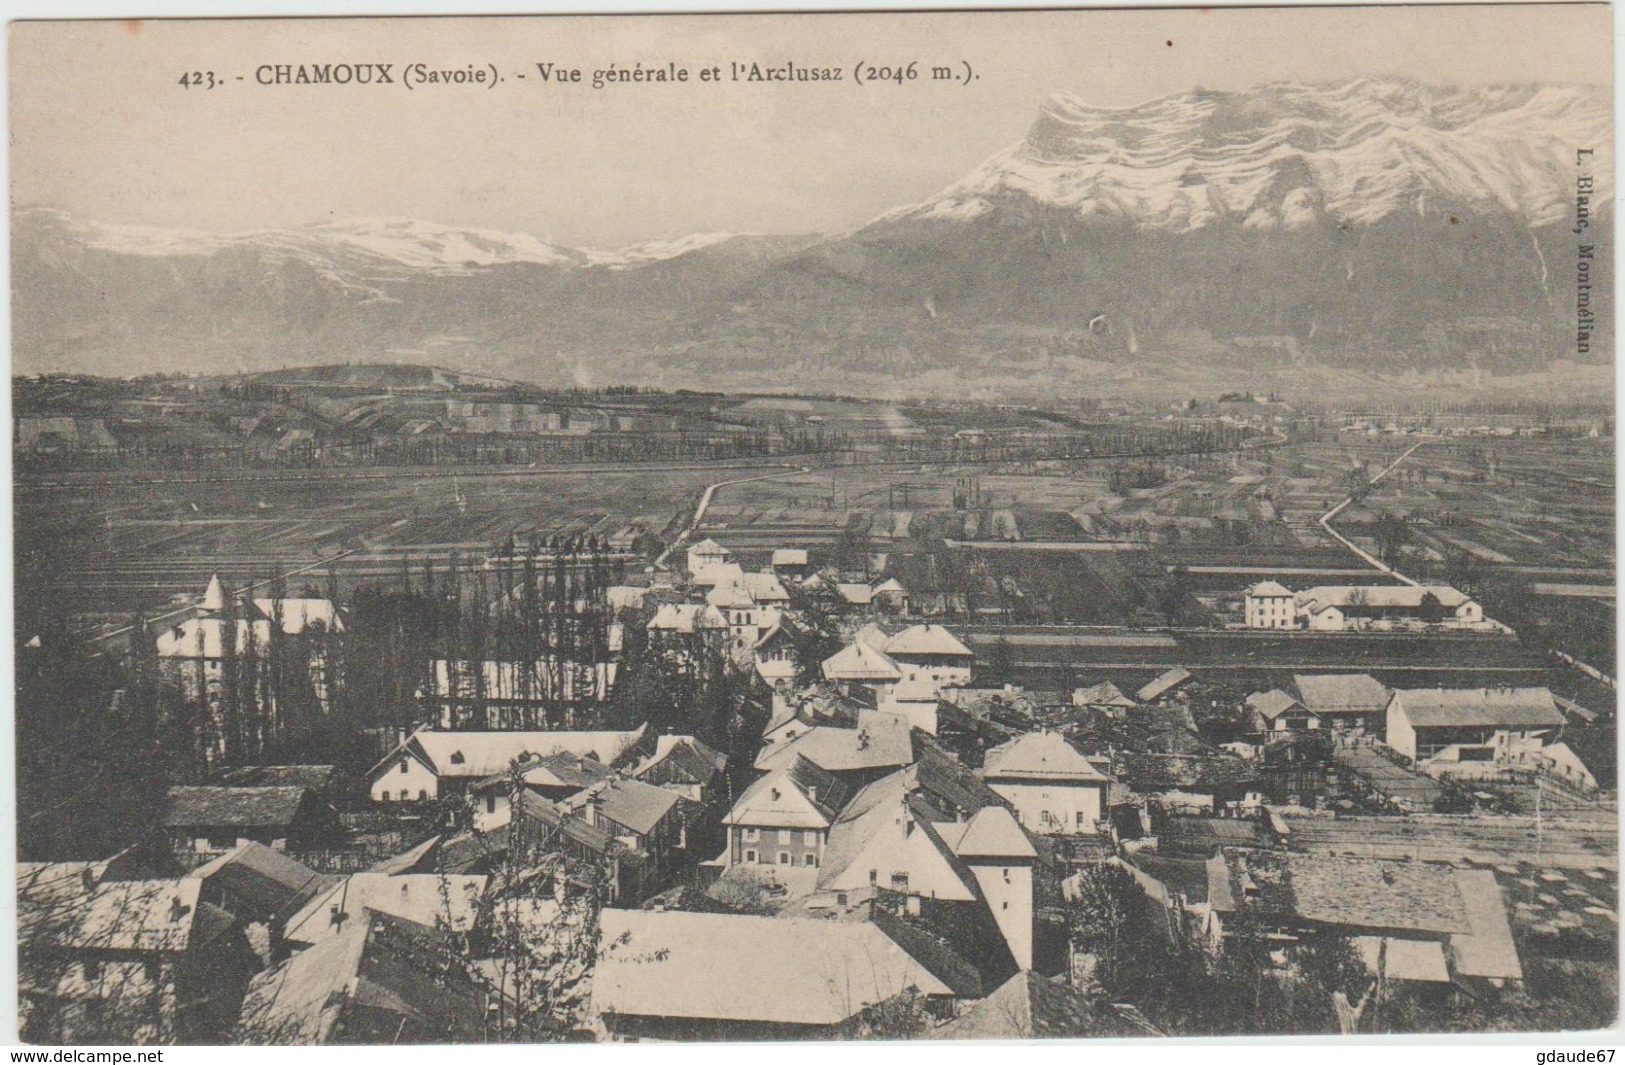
pixel 934 653
pixel 431 764
pixel 1338 608
pixel 1054 789
pixel 1271 606
pixel 706 555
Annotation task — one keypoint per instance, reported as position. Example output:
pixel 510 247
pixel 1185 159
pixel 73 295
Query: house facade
pixel 1053 789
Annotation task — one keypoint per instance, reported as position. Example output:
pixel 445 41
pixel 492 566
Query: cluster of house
pixel 1448 732
pixel 1358 608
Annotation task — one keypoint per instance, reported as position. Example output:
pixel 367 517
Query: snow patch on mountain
pixel 1287 154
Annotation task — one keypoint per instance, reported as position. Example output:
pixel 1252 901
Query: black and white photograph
pixel 1088 524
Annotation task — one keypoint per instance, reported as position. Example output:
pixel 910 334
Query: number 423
pixel 199 79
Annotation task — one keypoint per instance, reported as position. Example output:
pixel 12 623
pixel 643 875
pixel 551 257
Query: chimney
pixel 87 879
pixel 336 916
pixel 812 792
pixel 775 794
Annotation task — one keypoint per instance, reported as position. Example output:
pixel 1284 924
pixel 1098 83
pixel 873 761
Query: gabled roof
pixel 716 573
pixel 266 881
pixel 1103 694
pixel 860 662
pixel 881 834
pixel 709 546
pixel 684 759
pixel 889 586
pixel 632 803
pixel 992 832
pixel 687 617
pixel 139 915
pixel 732 595
pixel 1330 693
pixel 1029 1006
pixel 790 556
pixel 763 587
pixel 426 898
pixel 1268 588
pixel 797 795
pixel 732 967
pixel 1273 703
pixel 480 754
pixel 1479 707
pixel 925 640
pixel 214 596
pixel 1041 755
pixel 856 594
pixel 1163 684
pixel 379 965
pixel 208 806
pixel 879 740
pixel 1356 892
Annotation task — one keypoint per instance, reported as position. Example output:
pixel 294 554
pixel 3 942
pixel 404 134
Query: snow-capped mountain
pixel 1287 155
pixel 1374 225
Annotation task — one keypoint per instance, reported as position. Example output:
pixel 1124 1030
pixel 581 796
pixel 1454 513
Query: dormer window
pixel 404 764
pixel 457 758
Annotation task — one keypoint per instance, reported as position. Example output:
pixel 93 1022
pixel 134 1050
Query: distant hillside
pixel 1370 227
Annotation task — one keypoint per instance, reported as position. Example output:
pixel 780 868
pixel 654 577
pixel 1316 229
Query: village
pixel 761 792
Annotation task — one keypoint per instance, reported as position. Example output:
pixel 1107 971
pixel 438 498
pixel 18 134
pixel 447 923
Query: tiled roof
pixel 797 795
pixel 878 741
pixel 1356 892
pixel 1163 684
pixel 1268 588
pixel 992 832
pixel 1273 703
pixel 859 661
pixel 422 897
pixel 1341 692
pixel 1400 595
pixel 733 967
pixel 267 881
pixel 632 803
pixel 1039 754
pixel 1479 707
pixel 203 807
pixel 382 979
pixel 1103 694
pixel 927 640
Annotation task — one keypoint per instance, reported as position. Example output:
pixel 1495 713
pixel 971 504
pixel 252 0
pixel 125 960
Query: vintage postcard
pixel 958 525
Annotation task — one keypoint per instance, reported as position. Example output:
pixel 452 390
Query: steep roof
pixel 926 640
pixel 380 964
pixel 1042 754
pixel 1273 703
pixel 734 967
pixel 632 803
pixel 685 759
pixel 858 661
pixel 214 596
pixel 139 915
pixel 1330 693
pixel 208 806
pixel 1029 1006
pixel 797 795
pixel 422 897
pixel 878 741
pixel 992 832
pixel 1479 707
pixel 268 881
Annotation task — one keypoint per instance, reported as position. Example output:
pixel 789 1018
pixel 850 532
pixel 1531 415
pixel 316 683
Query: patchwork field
pixel 111 546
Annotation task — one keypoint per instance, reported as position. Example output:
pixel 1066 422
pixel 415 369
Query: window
pixel 423 793
pixel 1081 821
pixel 899 881
pixel 784 857
pixel 1006 873
pixel 490 804
pixel 750 856
pixel 93 969
pixel 840 898
pixel 383 796
pixel 404 765
pixel 457 758
pixel 809 838
pixel 874 877
pixel 809 859
pixel 752 835
pixel 783 835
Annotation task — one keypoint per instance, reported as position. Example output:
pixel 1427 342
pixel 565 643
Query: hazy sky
pixel 101 127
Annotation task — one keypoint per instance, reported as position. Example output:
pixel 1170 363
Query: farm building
pixel 1344 700
pixel 1424 723
pixel 431 764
